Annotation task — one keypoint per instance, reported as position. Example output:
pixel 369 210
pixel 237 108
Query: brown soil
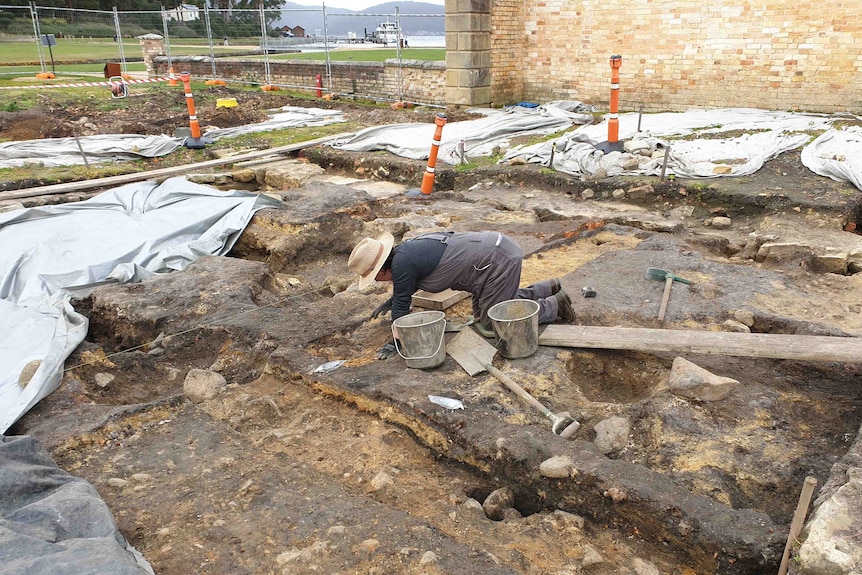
pixel 355 471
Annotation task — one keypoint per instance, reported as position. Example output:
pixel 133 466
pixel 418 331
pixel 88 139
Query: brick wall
pixel 679 54
pixel 417 81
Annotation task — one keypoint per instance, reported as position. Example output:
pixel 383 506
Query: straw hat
pixel 368 256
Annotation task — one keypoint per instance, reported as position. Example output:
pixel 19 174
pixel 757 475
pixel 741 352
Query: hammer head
pixel 662 275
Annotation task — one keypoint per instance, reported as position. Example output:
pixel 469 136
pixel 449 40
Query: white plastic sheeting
pixel 52 152
pixel 765 135
pixel 836 154
pixel 480 136
pixel 284 117
pixel 52 253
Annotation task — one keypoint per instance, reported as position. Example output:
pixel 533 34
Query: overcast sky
pixel 352 4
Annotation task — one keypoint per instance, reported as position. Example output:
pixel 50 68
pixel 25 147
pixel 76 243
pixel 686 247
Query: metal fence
pixel 38 33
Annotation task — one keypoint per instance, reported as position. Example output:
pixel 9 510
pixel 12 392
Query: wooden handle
pixel 519 391
pixel 666 296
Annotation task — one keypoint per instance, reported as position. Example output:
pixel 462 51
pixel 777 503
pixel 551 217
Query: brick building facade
pixel 677 54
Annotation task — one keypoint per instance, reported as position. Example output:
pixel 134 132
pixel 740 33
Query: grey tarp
pixel 50 152
pixel 284 117
pixel 54 252
pixel 837 154
pixel 480 136
pixel 713 145
pixel 52 523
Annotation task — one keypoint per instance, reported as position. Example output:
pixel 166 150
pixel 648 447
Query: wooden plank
pixel 440 300
pixel 765 345
pixel 161 172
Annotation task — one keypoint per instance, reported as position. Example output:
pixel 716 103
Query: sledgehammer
pixel 668 279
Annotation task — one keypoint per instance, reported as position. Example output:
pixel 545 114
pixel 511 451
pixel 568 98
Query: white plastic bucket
pixel 516 323
pixel 419 338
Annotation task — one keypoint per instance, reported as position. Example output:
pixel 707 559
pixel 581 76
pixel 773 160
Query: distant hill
pixel 358 21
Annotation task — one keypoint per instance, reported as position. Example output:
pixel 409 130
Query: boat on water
pixel 386 33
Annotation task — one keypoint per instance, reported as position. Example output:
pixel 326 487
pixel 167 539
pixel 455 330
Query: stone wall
pixel 774 54
pixel 417 81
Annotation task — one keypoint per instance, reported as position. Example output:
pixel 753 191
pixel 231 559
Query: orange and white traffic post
pixel 195 141
pixel 613 144
pixel 428 176
pixel 614 117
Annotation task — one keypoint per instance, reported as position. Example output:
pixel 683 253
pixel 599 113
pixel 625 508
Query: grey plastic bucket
pixel 419 338
pixel 516 323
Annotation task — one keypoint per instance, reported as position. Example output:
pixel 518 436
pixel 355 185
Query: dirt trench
pixel 356 471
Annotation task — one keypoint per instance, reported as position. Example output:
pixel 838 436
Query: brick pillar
pixel 152 45
pixel 468 52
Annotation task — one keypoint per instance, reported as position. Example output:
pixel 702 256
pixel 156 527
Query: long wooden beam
pixel 162 172
pixel 765 345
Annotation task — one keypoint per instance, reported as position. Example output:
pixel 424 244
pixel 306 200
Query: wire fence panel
pixel 253 46
pixel 17 26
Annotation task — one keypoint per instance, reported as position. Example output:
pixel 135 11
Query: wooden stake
pixel 798 520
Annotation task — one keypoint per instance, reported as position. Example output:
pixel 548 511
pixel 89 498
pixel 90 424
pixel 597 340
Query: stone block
pixel 473 41
pixel 468 78
pixel 468 97
pixel 460 6
pixel 468 23
pixel 468 60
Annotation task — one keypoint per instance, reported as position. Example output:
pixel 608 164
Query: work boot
pixel 565 312
pixel 555 286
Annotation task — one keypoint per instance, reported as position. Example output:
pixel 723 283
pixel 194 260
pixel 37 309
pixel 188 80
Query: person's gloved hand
pixel 387 351
pixel 382 308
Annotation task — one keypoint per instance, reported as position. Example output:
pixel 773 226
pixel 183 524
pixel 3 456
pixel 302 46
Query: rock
pixel 291 174
pixel 243 176
pixel 518 161
pixel 380 481
pixel 599 174
pixel 497 502
pixel 565 520
pixel 619 194
pixel 721 223
pixel 472 504
pixel 201 178
pixel 11 207
pixel 616 494
pixel 428 558
pixel 828 550
pixel 202 385
pixel 558 467
pixel 612 434
pixel 744 316
pixel 511 514
pixel 635 145
pixel 691 381
pixel 732 325
pixel 830 263
pixel 723 169
pixel 28 372
pixel 142 477
pixel 369 545
pixel 630 164
pixel 854 261
pixel 793 254
pixel 641 192
pixel 588 193
pixel 643 567
pixel 117 482
pixel 103 379
pixel 591 557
